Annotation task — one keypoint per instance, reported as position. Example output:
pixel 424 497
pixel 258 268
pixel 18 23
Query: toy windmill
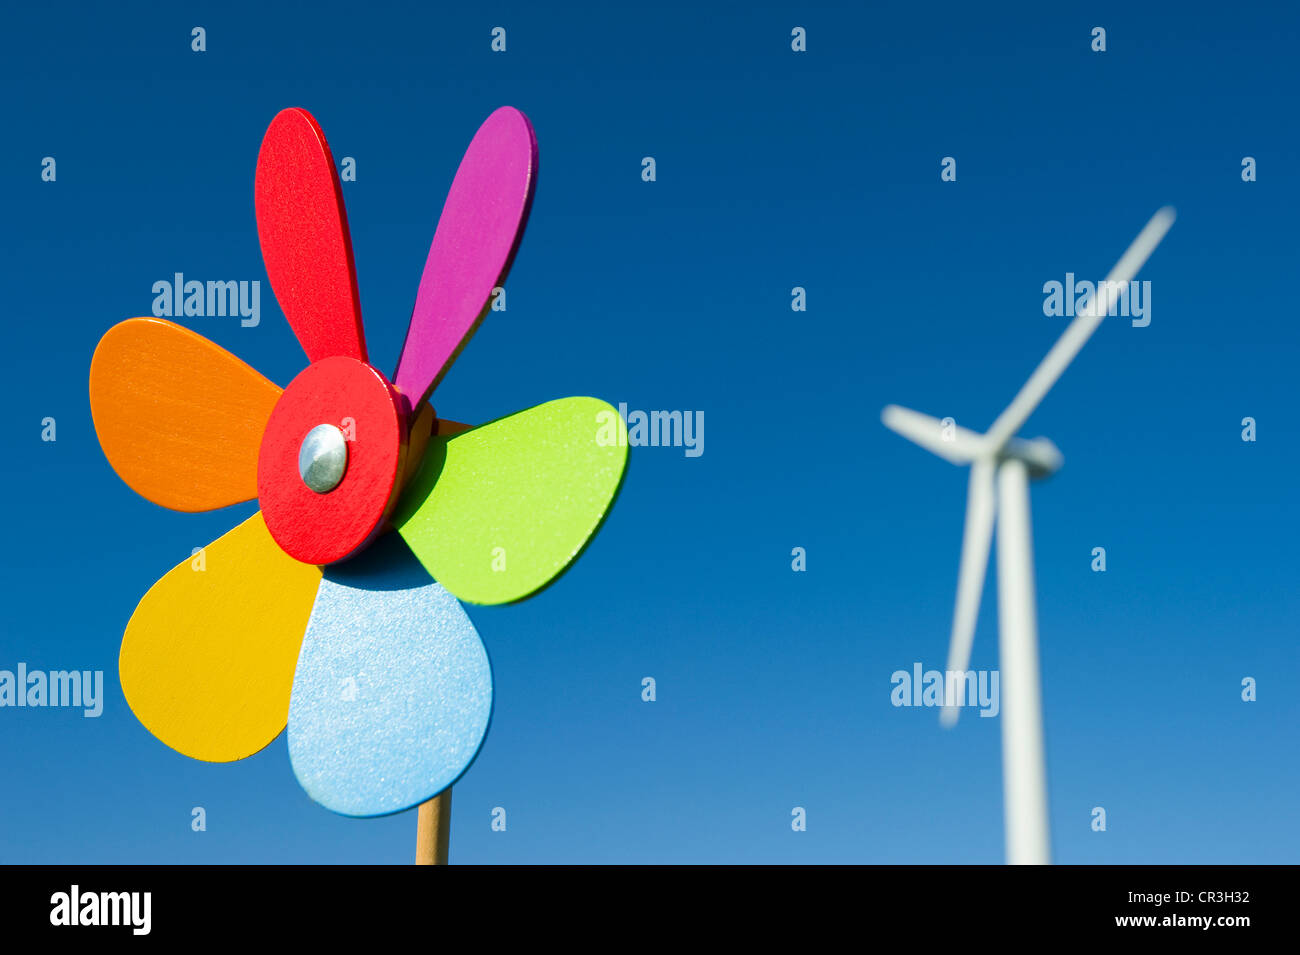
pixel 309 613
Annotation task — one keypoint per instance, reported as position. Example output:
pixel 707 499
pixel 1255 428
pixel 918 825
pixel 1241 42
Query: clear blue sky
pixel 774 169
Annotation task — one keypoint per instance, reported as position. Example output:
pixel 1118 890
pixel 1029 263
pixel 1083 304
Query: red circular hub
pixel 358 400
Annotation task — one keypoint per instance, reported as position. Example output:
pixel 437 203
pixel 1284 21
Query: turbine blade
pixel 1079 331
pixel 976 542
pixel 956 444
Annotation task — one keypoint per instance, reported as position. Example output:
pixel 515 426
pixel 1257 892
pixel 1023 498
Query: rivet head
pixel 323 458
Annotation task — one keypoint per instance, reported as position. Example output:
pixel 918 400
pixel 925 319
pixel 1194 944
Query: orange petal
pixel 180 419
pixel 208 657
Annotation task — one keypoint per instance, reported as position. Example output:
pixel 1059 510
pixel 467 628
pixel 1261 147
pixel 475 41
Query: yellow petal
pixel 208 657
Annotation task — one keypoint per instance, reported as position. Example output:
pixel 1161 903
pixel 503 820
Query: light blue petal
pixel 393 692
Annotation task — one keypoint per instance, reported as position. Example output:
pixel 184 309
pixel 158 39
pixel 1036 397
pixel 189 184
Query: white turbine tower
pixel 1001 466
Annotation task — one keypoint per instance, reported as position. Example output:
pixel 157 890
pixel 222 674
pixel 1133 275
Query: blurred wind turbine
pixel 1001 466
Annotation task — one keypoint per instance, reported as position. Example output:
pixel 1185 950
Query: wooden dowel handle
pixel 433 830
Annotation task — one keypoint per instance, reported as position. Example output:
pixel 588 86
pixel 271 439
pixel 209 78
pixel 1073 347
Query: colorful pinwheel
pixel 308 613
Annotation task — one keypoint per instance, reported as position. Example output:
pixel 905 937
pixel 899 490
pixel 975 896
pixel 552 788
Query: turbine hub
pixel 1040 456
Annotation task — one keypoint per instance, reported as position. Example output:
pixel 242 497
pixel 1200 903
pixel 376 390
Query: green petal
pixel 497 513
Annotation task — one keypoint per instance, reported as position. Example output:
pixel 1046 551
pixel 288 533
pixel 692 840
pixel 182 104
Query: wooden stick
pixel 433 830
